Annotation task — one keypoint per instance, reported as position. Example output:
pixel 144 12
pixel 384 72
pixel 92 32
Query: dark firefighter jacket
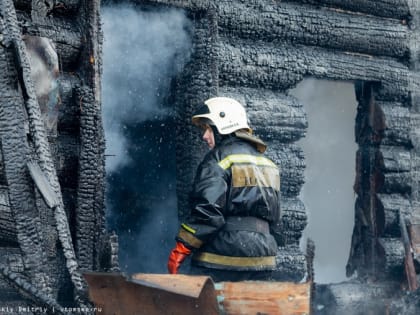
pixel 234 206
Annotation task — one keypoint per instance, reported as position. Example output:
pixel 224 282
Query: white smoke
pixel 43 62
pixel 330 154
pixel 143 51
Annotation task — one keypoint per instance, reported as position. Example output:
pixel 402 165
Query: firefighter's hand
pixel 177 256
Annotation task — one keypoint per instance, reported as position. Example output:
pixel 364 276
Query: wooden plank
pixel 262 297
pixel 113 294
pixel 43 184
pixel 180 284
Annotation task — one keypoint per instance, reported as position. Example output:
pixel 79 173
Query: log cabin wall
pixel 256 51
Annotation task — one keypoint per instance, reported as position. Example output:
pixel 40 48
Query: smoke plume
pixel 143 52
pixel 330 151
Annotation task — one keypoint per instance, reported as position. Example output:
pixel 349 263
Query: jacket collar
pixel 253 140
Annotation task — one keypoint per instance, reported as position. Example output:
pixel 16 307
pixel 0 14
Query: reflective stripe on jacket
pixel 234 181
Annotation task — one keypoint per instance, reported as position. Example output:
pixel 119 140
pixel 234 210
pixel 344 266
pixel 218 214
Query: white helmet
pixel 225 113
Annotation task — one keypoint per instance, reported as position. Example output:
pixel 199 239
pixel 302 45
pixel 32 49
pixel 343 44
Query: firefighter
pixel 235 201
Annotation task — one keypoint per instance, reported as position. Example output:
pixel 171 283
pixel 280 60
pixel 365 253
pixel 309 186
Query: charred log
pixel 312 26
pixel 241 63
pixel 90 182
pixel 63 32
pixel 8 233
pixel 392 204
pixel 198 82
pixel 353 298
pixel 291 264
pixel 52 7
pixel 396 9
pixel 273 115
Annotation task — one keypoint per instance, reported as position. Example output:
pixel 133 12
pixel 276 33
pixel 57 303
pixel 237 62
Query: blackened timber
pixel 290 264
pixel 396 159
pixel 27 289
pixel 28 225
pixel 391 255
pixel 90 209
pixel 199 82
pixel 69 110
pixel 395 165
pixel 273 115
pixel 41 147
pixel 68 153
pixel 294 220
pixel 289 157
pixel 399 125
pixel 270 66
pixel 353 298
pixel 194 5
pixel 395 9
pixel 8 233
pixel 391 203
pixel 64 33
pixel 67 6
pixel 89 178
pixel 302 24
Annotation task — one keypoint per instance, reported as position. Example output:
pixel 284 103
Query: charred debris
pixel 52 168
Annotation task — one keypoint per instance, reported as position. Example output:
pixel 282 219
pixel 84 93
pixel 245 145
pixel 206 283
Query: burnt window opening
pixel 330 149
pixel 144 50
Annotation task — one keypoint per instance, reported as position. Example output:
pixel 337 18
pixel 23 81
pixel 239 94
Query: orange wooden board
pixel 262 297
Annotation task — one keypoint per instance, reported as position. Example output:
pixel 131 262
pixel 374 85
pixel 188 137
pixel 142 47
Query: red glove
pixel 177 256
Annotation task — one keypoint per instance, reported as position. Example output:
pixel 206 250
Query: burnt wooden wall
pixel 252 50
pixel 43 249
pixel 256 51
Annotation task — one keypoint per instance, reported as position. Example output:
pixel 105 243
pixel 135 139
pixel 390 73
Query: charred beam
pixel 395 9
pixel 70 109
pixel 399 125
pixel 291 264
pixel 198 82
pixel 391 204
pixel 194 5
pixel 290 159
pixel 271 66
pixel 294 220
pixel 396 159
pixel 353 298
pixel 8 233
pixel 273 115
pixel 90 179
pixel 391 257
pixel 53 6
pixel 28 290
pixel 279 22
pixel 63 32
pixel 41 146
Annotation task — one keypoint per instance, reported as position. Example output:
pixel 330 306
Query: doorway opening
pixel 330 149
pixel 143 52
